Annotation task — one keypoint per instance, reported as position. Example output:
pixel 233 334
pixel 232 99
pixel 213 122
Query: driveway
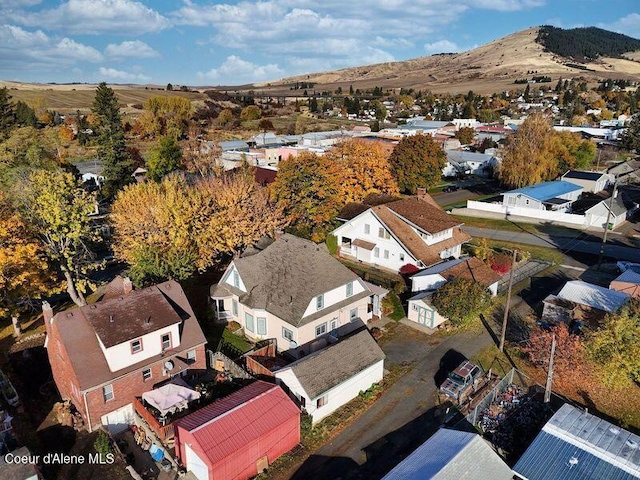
pixel 402 418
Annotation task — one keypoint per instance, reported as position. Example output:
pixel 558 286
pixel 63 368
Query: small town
pixel 336 243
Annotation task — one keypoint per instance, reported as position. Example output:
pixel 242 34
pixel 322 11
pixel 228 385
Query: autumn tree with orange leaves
pixel 171 229
pixel 365 169
pixel 308 188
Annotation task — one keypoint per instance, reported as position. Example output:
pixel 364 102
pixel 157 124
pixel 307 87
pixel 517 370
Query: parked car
pixel 451 188
pixel 462 381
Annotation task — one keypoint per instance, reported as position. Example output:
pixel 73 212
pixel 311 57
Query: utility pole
pixel 614 193
pixel 508 301
pixel 547 390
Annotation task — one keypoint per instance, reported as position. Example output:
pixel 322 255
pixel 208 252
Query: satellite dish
pixel 293 344
pixel 168 365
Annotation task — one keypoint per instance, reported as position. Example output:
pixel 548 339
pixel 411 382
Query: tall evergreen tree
pixel 112 152
pixel 7 113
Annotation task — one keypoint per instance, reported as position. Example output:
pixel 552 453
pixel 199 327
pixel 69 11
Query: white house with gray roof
pixel 325 380
pixel 296 292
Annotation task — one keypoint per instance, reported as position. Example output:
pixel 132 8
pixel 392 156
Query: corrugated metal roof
pixel 233 421
pixel 439 267
pixel 628 276
pixel 452 455
pixel 593 296
pixel 546 190
pixel 575 445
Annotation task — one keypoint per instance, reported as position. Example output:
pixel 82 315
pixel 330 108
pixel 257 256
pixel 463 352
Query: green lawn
pixel 499 224
pixel 542 253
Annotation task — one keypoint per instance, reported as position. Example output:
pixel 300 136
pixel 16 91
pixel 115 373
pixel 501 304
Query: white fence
pixel 527 212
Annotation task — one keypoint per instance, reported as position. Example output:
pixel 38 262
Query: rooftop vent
pixel 93 307
pixel 573 461
pixel 614 430
pixel 110 318
pixel 632 443
pixel 69 314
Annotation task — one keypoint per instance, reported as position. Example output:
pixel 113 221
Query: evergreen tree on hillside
pixel 7 113
pixel 112 152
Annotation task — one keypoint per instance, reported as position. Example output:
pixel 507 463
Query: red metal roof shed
pixel 231 435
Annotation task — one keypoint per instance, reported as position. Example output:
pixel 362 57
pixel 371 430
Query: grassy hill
pixel 585 44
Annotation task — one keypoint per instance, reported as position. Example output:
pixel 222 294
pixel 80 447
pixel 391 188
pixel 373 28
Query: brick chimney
pixel 47 314
pixel 421 193
pixel 277 234
pixel 127 286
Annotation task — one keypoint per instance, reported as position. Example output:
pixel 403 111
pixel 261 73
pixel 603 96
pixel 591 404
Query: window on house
pixel 107 392
pixel 262 326
pixel 402 257
pixel 321 329
pixel 367 228
pixel 376 252
pixel 322 401
pixel 234 307
pixel 136 346
pixel 146 374
pixel 386 254
pixel 349 289
pixel 319 302
pixel 303 401
pixel 511 201
pixel 248 322
pixel 414 307
pixel 288 334
pixel 382 233
pixel 191 355
pixel 236 279
pixel 166 341
pixel 353 314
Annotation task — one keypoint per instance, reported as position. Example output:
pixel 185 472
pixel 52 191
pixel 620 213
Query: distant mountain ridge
pixel 490 68
pixel 586 43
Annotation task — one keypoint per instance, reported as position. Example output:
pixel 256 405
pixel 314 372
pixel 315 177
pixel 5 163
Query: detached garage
pixel 238 436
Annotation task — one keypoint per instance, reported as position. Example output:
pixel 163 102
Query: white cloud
pixel 507 5
pixel 113 74
pixel 629 25
pixel 441 46
pixel 22 49
pixel 130 49
pixel 93 17
pixel 235 70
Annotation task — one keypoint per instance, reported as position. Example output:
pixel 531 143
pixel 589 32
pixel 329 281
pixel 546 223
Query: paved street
pixel 579 244
pixel 402 418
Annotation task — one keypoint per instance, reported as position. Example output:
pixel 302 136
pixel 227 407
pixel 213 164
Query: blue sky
pixel 206 42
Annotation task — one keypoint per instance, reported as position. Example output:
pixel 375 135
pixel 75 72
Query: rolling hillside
pixel 489 68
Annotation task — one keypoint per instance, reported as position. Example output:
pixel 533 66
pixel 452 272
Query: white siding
pixel 337 396
pixel 431 318
pixel 334 296
pixel 120 356
pixel 306 333
pixel 195 464
pixel 118 420
pixel 229 277
pixel 427 282
pixel 355 229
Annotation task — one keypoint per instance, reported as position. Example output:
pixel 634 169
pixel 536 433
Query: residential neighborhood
pixel 425 268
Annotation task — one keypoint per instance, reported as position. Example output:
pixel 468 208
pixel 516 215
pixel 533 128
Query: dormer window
pixel 166 341
pixel 136 345
pixel 349 289
pixel 236 279
pixel 319 302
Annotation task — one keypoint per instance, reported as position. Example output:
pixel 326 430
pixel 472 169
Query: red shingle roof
pixel 230 423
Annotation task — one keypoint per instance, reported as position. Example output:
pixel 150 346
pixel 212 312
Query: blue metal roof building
pixel 575 445
pixel 546 190
pixel 452 455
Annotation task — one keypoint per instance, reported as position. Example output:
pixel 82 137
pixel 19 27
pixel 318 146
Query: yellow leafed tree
pixel 24 269
pixel 364 169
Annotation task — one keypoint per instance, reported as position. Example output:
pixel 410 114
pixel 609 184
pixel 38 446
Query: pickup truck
pixel 462 381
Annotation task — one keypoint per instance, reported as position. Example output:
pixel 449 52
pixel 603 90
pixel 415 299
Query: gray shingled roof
pixel 284 278
pixel 329 367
